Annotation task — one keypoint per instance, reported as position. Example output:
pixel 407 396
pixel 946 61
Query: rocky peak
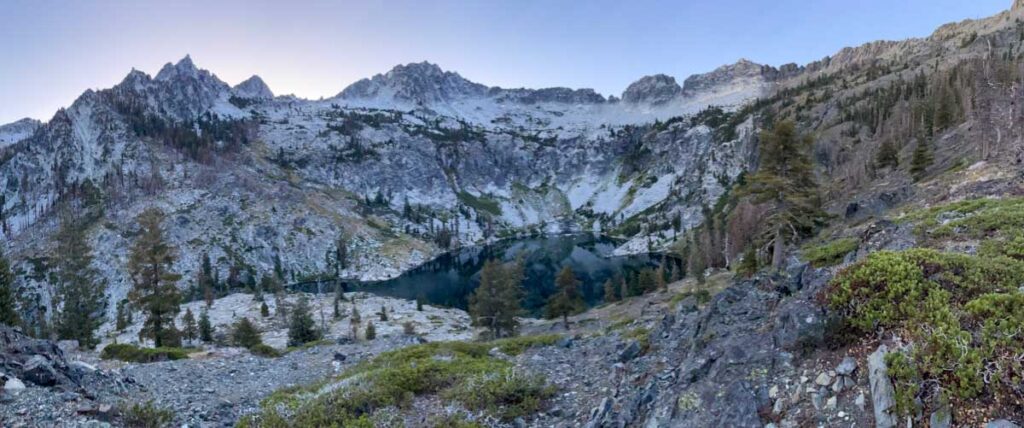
pixel 656 89
pixel 742 72
pixel 1017 5
pixel 422 83
pixel 184 68
pixel 17 131
pixel 252 88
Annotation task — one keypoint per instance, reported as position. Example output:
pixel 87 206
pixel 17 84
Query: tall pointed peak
pixel 184 67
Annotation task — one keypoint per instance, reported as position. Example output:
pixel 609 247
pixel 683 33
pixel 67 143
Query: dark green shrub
pixel 147 415
pixel 135 354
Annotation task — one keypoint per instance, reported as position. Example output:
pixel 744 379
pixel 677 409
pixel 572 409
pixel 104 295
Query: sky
pixel 53 50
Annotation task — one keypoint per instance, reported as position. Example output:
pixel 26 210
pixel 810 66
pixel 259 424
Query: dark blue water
pixel 449 279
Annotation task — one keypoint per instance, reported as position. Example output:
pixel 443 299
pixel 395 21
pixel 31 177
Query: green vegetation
pixel 702 296
pixel 496 302
pixel 136 354
pixel 147 415
pixel 641 335
pixel 456 371
pixel 568 300
pixel 974 218
pixel 8 305
pixel 155 284
pixel 481 204
pixel 831 253
pixel 962 315
pixel 301 328
pixel 785 183
pixel 80 294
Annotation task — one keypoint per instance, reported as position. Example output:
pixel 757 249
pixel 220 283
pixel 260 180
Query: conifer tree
pixel 496 301
pixel 205 328
pixel 189 328
pixel 568 300
pixel 123 318
pixel 302 328
pixel 383 313
pixel 921 161
pixel 80 295
pixel 245 334
pixel 887 156
pixel 155 292
pixel 610 291
pixel 419 304
pixel 785 183
pixel 371 331
pixel 8 305
pixel 264 309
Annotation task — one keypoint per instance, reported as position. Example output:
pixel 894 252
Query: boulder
pixel 630 351
pixel 882 393
pixel 1001 423
pixel 40 371
pixel 847 366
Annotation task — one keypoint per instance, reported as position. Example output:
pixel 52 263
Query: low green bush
pixel 459 371
pixel 831 253
pixel 264 350
pixel 136 354
pixel 976 218
pixel 147 415
pixel 962 315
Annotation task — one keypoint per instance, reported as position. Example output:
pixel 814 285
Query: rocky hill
pixel 417 160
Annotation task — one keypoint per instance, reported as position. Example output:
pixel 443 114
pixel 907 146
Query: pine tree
pixel 205 328
pixel 785 183
pixel 264 310
pixel 496 301
pixel 205 280
pixel 155 292
pixel 921 161
pixel 610 292
pixel 419 304
pixel 302 328
pixel 568 300
pixel 189 328
pixel 647 280
pixel 8 303
pixel 624 291
pixel 383 313
pixel 123 316
pixel 245 334
pixel 371 331
pixel 660 281
pixel 887 156
pixel 80 295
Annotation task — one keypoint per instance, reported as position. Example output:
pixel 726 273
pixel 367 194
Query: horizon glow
pixel 55 50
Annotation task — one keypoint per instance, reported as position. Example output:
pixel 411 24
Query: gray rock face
pixel 253 88
pixel 656 89
pixel 35 361
pixel 1001 423
pixel 882 392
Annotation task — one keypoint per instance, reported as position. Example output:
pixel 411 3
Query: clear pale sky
pixel 52 50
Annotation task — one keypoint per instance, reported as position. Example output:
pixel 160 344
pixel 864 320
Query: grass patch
pixel 147 415
pixel 457 371
pixel 975 218
pixel 962 315
pixel 829 254
pixel 480 203
pixel 135 354
pixel 702 296
pixel 641 335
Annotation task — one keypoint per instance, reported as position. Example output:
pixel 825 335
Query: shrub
pixel 245 334
pixel 830 254
pixel 371 331
pixel 458 371
pixel 264 350
pixel 962 315
pixel 136 354
pixel 147 415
